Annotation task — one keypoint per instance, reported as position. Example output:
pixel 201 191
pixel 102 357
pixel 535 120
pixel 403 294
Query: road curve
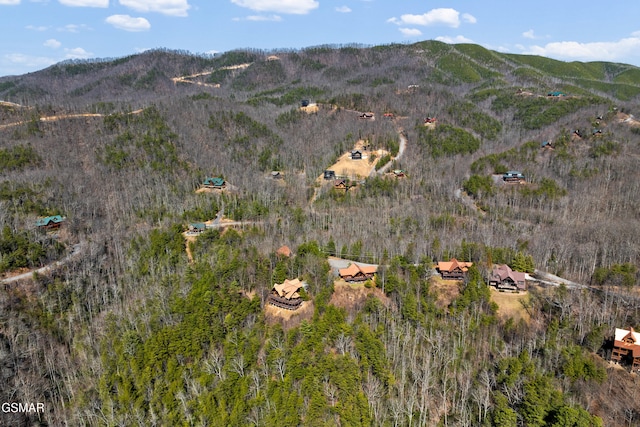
pixel 76 250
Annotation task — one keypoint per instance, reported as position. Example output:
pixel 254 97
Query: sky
pixel 39 33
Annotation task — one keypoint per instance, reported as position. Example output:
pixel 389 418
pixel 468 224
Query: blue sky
pixel 38 33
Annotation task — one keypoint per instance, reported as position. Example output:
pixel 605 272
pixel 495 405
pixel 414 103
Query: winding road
pixel 76 250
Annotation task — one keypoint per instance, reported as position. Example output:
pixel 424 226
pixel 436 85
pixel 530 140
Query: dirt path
pixel 186 79
pixel 45 119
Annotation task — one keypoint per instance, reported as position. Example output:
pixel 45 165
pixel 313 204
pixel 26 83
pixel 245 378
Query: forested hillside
pixel 136 322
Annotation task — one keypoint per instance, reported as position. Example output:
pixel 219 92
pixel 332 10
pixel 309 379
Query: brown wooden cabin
pixel 504 278
pixel 285 295
pixel 453 269
pixel 50 223
pixel 357 273
pixel 356 155
pixel 626 348
pixel 340 184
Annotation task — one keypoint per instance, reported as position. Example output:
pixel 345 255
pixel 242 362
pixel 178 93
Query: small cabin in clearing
pixel 626 348
pixel 285 295
pixel 340 184
pixel 357 273
pixel 50 222
pixel 329 174
pixel 504 278
pixel 216 183
pixel 356 155
pixel 453 269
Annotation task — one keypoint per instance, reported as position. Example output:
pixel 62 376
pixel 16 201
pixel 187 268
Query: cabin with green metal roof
pixel 50 222
pixel 217 183
pixel 197 227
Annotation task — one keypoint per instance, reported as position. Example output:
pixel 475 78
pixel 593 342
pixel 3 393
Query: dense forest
pixel 124 318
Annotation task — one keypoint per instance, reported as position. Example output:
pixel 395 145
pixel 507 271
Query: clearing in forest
pixel 353 296
pixel 347 167
pixel 445 290
pixel 511 305
pixel 311 108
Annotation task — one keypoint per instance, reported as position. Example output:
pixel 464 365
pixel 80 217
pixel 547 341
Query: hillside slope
pixel 133 331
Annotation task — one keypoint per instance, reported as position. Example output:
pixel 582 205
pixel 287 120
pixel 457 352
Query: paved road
pixel 75 251
pixel 403 146
pixel 552 280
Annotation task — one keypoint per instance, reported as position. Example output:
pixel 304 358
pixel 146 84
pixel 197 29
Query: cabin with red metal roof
pixel 453 269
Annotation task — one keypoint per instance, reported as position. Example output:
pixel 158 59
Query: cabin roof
pixel 214 181
pixel 452 264
pixel 354 269
pixel 288 289
pixel 284 251
pixel 503 271
pixel 54 219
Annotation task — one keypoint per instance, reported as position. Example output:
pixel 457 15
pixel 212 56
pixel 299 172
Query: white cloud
pixel 452 40
pixel 275 18
pixel 343 9
pixel 77 53
pixel 257 18
pixel 73 28
pixel 293 7
pixel 166 7
pixel 468 18
pixel 9 2
pixel 85 3
pixel 410 32
pixel 602 51
pixel 528 35
pixel 52 43
pixel 442 16
pixel 38 28
pixel 27 62
pixel 128 23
